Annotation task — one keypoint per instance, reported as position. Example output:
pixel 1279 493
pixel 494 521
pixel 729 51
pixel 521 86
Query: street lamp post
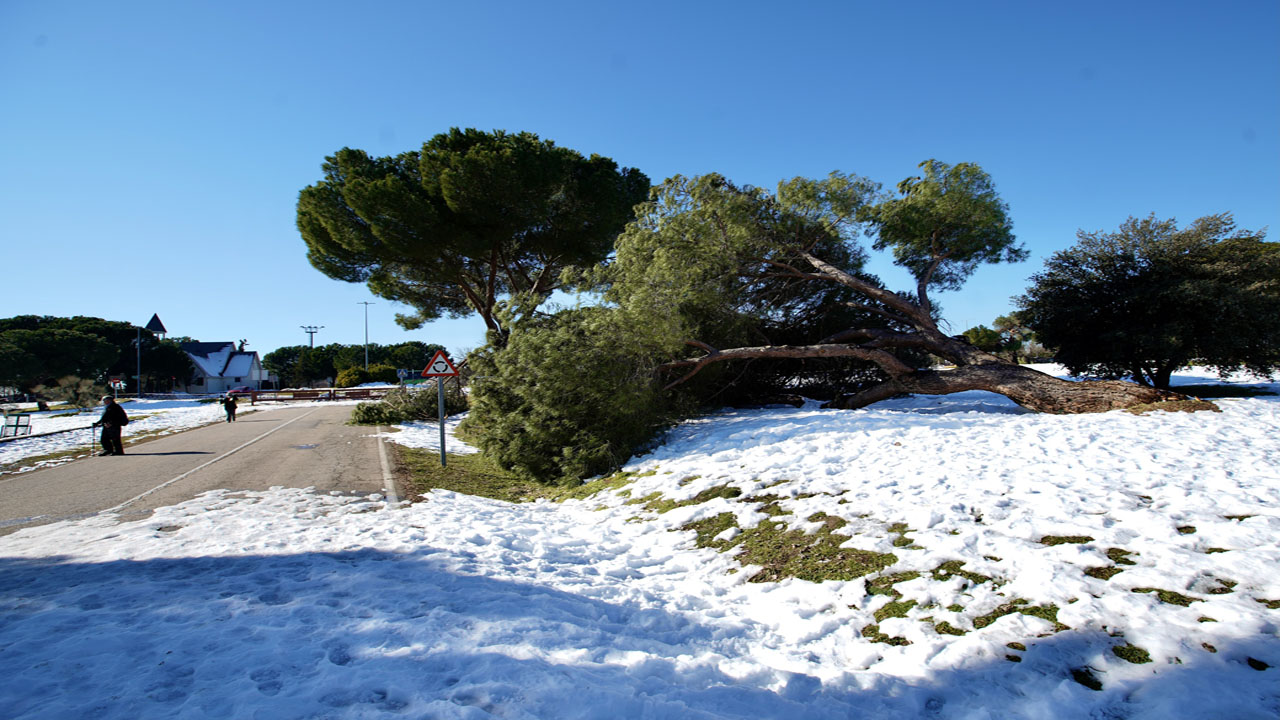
pixel 366 305
pixel 311 331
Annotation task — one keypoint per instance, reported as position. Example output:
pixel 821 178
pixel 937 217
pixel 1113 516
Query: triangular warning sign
pixel 440 366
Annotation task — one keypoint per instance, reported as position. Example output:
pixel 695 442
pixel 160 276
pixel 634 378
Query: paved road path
pixel 305 446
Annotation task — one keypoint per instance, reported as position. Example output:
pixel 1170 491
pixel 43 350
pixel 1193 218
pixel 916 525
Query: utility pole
pixel 311 331
pixel 366 305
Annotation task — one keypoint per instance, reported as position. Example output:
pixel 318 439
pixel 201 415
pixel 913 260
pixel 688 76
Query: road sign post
pixel 440 368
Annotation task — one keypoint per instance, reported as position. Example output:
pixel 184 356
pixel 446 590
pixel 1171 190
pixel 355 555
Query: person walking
pixel 229 404
pixel 113 419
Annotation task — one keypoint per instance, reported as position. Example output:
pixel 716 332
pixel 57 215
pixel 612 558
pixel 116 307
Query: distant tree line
pixel 40 350
pixel 301 365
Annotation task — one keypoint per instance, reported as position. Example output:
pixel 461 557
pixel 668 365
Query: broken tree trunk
pixel 1029 388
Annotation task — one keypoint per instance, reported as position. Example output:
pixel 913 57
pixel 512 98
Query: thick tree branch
pixel 887 297
pixel 886 360
pixel 879 338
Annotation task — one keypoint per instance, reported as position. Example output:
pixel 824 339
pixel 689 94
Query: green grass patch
pixel 902 541
pixel 894 609
pixel 1186 529
pixel 783 552
pixel 1271 604
pixel 1237 518
pixel 1131 653
pixel 1119 556
pixel 946 628
pixel 1016 646
pixel 1105 572
pixel 708 528
pixel 471 475
pixel 883 584
pixel 1169 597
pixel 616 481
pixel 1214 551
pixel 1065 540
pixel 954 568
pixel 1224 587
pixel 872 633
pixel 1045 612
pixel 661 504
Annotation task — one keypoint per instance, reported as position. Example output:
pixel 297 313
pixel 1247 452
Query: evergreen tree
pixel 1151 298
pixel 471 217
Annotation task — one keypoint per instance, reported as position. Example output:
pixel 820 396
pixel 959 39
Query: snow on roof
pixel 209 358
pixel 216 359
pixel 239 364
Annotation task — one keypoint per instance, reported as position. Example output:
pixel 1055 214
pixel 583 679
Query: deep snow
pixel 289 604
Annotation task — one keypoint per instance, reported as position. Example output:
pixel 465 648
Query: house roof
pixel 220 359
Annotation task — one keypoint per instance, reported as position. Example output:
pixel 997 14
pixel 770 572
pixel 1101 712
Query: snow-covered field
pixel 289 604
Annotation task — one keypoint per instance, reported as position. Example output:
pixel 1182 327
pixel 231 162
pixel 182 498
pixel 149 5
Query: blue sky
pixel 153 152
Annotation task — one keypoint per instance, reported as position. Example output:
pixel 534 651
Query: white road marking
pixel 229 453
pixel 390 482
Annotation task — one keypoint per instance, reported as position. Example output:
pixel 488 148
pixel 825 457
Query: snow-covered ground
pixel 289 604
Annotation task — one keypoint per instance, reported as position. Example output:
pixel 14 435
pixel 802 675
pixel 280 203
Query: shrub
pixel 75 391
pixel 383 374
pixel 351 377
pixel 405 404
pixel 570 396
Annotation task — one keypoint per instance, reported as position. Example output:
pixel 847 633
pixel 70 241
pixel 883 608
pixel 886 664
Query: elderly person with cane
pixel 112 420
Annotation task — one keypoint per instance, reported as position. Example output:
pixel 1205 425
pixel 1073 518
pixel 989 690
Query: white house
pixel 221 367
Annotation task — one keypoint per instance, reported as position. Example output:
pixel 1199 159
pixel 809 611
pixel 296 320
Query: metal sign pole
pixel 440 388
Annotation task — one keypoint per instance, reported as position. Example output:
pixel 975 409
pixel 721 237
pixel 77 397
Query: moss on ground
pixel 872 633
pixel 661 504
pixel 1119 556
pixel 894 609
pixel 784 552
pixel 1052 540
pixel 707 529
pixel 1131 653
pixel 955 568
pixel 1169 597
pixel 902 541
pixel 1045 612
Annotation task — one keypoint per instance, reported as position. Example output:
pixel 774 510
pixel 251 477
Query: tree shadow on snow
pixel 367 633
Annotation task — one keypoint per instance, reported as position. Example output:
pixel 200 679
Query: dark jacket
pixel 113 416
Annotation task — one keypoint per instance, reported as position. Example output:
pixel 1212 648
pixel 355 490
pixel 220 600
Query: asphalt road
pixel 305 446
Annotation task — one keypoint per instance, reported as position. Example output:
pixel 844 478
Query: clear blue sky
pixel 153 152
